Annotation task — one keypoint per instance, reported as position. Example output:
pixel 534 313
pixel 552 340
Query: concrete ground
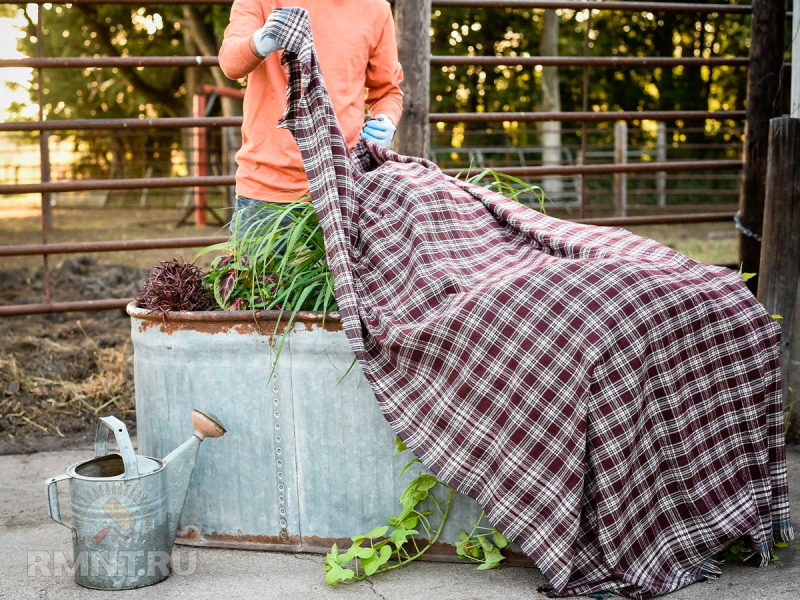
pixel 27 535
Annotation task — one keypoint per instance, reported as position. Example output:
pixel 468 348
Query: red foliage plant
pixel 175 285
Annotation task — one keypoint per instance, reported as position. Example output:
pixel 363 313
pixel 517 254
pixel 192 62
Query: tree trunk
pixel 205 40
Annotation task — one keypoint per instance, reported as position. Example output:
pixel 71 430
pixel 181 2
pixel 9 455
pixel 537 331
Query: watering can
pixel 126 507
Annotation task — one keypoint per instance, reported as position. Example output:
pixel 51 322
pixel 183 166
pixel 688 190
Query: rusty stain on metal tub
pixel 240 321
pixel 439 552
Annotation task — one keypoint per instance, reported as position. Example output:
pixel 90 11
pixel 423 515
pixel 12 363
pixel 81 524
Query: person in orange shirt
pixel 355 42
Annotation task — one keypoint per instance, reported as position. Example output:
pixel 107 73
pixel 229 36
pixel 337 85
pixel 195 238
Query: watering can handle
pixel 123 441
pixel 51 498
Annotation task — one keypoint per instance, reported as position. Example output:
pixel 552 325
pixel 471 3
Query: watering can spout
pixel 180 465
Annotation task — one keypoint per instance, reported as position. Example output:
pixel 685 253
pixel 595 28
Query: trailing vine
pixel 380 550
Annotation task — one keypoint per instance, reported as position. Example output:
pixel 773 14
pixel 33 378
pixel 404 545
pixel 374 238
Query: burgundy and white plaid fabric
pixel 614 405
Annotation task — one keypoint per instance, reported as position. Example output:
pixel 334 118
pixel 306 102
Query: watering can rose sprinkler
pixel 126 507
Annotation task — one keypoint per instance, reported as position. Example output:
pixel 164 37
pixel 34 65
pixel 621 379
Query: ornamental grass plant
pixel 275 260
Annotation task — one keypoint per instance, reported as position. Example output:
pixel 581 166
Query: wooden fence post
pixel 795 102
pixel 413 21
pixel 780 252
pixel 767 25
pixel 621 158
pixel 661 156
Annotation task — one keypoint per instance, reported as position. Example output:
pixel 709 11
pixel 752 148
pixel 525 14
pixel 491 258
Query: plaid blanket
pixel 614 405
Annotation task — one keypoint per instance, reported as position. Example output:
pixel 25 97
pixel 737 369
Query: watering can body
pixel 125 508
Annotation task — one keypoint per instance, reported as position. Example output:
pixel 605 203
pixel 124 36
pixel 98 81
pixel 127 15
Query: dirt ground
pixel 59 373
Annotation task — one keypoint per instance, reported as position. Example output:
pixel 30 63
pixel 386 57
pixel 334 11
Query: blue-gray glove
pixel 263 43
pixel 379 130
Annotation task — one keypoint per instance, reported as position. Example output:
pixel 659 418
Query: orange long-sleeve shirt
pixel 357 51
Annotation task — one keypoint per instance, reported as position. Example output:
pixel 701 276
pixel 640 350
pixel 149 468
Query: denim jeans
pixel 250 213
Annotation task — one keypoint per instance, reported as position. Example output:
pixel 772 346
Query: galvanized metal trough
pixel 308 458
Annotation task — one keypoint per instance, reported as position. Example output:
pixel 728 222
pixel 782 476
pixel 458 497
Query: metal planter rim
pixel 225 316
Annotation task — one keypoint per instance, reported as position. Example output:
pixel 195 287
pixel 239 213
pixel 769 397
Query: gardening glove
pixel 379 130
pixel 263 44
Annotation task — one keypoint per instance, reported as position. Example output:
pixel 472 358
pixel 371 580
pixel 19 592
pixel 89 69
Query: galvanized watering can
pixel 126 507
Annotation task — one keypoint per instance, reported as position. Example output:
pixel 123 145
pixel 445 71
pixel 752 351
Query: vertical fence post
pixel 795 102
pixel 413 19
pixel 199 159
pixel 585 108
pixel 767 25
pixel 44 155
pixel 550 131
pixel 621 158
pixel 780 250
pixel 661 156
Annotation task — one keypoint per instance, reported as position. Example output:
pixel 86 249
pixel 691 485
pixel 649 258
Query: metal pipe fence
pixel 655 7
pixel 45 127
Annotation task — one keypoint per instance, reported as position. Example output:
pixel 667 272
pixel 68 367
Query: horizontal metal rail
pixel 654 7
pixel 110 246
pixel 711 217
pixel 82 185
pixel 589 61
pixel 89 62
pixel 87 124
pixel 635 115
pixel 19 310
pixel 187 122
pixel 642 167
pixel 221 91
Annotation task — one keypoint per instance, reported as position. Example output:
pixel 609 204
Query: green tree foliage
pixel 486 32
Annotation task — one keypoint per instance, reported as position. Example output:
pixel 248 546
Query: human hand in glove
pixel 261 44
pixel 379 130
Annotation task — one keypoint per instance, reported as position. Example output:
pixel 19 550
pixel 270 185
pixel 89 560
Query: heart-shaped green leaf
pixel 371 564
pixel 399 536
pixel 337 574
